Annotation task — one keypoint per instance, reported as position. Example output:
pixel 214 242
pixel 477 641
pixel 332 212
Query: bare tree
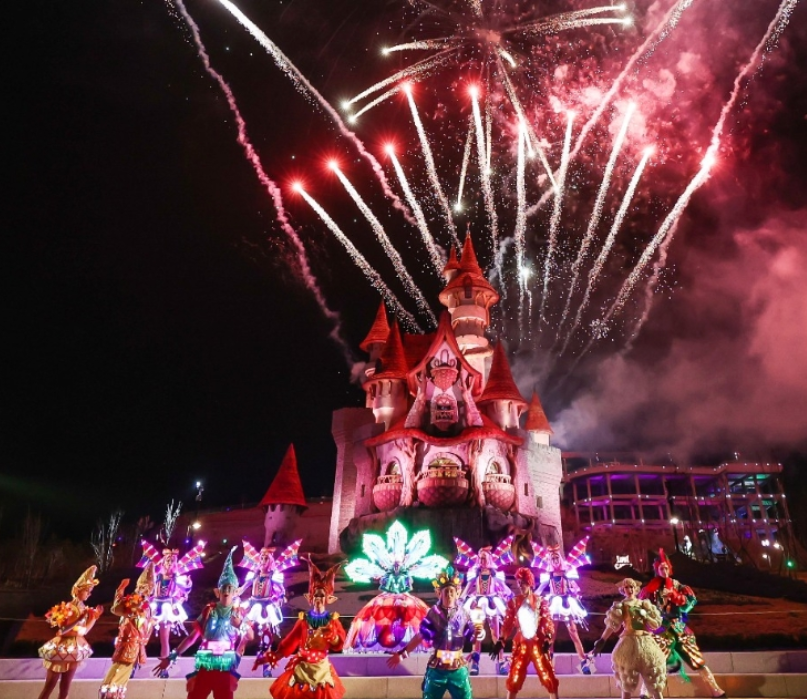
pixel 143 525
pixel 172 511
pixel 30 543
pixel 103 540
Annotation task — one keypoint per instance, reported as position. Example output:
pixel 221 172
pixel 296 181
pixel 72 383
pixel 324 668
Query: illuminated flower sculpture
pixel 393 617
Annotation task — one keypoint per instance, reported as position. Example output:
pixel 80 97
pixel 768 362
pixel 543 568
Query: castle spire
pixel 378 333
pixel 501 398
pixel 536 418
pixel 286 488
pixel 452 266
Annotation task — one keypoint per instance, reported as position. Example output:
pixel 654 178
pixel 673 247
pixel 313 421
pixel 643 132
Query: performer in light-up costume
pixel 309 674
pixel 263 608
pixel 529 618
pixel 220 628
pixel 390 620
pixel 559 577
pixel 134 630
pixel 486 589
pixel 172 586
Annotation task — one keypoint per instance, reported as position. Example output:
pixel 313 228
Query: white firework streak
pixel 488 132
pixel 409 72
pixel 484 174
pixel 383 97
pixel 532 141
pixel 465 158
pixel 567 17
pixel 271 188
pixel 556 26
pixel 431 168
pixel 521 223
pixel 596 270
pixel 772 34
pixel 362 263
pixel 434 254
pixel 596 213
pixel 305 87
pixel 425 45
pixel 661 32
pixel 554 221
pixel 389 249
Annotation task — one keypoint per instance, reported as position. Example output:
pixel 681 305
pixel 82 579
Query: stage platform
pixel 772 675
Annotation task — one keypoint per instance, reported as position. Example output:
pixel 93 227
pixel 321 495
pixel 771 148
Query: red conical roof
pixel 500 385
pixel 393 364
pixel 468 262
pixel 469 274
pixel 453 263
pixel 536 417
pixel 379 332
pixel 286 488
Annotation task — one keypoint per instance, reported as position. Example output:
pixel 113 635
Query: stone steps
pixel 747 675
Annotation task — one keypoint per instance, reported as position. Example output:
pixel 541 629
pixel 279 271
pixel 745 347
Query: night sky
pixel 158 332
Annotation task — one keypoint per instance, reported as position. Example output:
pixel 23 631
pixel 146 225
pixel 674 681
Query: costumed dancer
pixel 263 608
pixel 220 627
pixel 391 619
pixel 486 589
pixel 172 587
pixel 559 577
pixel 675 638
pixel 65 652
pixel 636 655
pixel 309 674
pixel 446 628
pixel 134 630
pixel 529 618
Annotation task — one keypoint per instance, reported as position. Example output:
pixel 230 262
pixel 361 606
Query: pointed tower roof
pixel 453 263
pixel 469 274
pixel 536 417
pixel 500 385
pixel 393 364
pixel 379 332
pixel 286 488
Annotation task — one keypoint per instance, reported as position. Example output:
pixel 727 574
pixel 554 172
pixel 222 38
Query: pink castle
pixel 440 441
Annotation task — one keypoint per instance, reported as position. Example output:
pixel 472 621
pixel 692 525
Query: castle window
pixel 539 502
pixel 363 488
pixel 444 409
pixel 526 489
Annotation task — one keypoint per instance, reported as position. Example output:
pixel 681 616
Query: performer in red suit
pixel 309 674
pixel 528 617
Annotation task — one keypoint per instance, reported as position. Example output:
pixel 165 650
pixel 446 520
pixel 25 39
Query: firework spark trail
pixel 596 214
pixel 373 276
pixel 521 223
pixel 488 134
pixel 661 32
pixel 771 36
pixel 567 17
pixel 425 45
pixel 431 168
pixel 386 243
pixel 484 172
pixel 305 87
pixel 434 254
pixel 271 188
pixel 383 97
pixel 409 72
pixel 466 156
pixel 556 26
pixel 554 221
pixel 532 141
pixel 596 270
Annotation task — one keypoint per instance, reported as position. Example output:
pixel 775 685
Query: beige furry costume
pixel 636 654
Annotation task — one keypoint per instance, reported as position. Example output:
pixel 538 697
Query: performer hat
pixel 447 577
pixel 145 583
pixel 87 579
pixel 662 558
pixel 317 580
pixel 228 576
pixel 524 575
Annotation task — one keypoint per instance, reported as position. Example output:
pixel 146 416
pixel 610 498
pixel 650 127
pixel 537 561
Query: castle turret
pixel 373 344
pixel 537 423
pixel 501 400
pixel 452 266
pixel 386 386
pixel 468 297
pixel 284 501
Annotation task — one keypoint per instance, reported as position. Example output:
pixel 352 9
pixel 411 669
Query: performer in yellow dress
pixel 63 654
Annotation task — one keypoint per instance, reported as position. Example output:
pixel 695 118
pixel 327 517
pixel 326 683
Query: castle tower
pixel 501 399
pixel 386 386
pixel 452 266
pixel 284 502
pixel 537 423
pixel 468 296
pixel 373 344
